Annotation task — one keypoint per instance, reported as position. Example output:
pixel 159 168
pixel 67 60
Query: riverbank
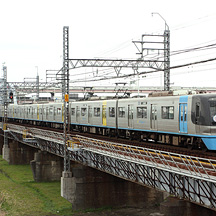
pixel 20 195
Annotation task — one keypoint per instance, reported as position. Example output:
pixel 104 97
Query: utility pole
pixel 5 99
pixel 166 54
pixel 5 102
pixel 65 92
pixel 37 85
pixel 167 60
pixel 66 179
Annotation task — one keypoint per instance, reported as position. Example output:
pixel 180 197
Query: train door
pixel 54 113
pixel 38 112
pixel 62 112
pixel 197 117
pixel 183 117
pixel 47 113
pixel 26 112
pixel 89 114
pixel 130 116
pixel 104 120
pixel 77 114
pixel 183 112
pixel 153 118
pixel 13 111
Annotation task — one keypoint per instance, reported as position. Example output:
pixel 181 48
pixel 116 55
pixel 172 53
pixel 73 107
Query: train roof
pixel 206 95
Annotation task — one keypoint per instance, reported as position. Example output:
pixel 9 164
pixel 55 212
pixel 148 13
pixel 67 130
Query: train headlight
pixel 214 118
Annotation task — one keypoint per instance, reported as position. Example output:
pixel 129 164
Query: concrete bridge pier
pixel 46 167
pixel 20 153
pixel 15 152
pixel 1 144
pixel 5 148
pixel 87 188
pixel 6 153
pixel 67 186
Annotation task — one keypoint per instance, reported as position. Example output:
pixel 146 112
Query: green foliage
pixel 20 195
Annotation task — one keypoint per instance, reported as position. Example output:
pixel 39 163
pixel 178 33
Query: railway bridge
pixel 186 177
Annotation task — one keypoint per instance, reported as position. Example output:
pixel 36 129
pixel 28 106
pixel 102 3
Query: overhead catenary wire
pixel 210 46
pixel 111 71
pixel 202 47
pixel 147 72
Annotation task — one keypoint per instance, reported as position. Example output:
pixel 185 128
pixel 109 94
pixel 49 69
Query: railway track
pixel 177 159
pixel 144 144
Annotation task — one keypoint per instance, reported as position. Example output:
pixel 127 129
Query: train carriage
pixel 179 120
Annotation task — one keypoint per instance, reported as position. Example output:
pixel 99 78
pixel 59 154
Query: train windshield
pixel 212 104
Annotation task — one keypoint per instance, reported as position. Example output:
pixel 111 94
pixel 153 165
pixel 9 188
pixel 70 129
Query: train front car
pixel 203 116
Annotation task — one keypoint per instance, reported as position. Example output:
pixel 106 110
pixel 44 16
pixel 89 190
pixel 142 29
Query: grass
pixel 20 195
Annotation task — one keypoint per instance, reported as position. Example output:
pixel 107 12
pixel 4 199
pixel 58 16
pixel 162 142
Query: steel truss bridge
pixel 187 177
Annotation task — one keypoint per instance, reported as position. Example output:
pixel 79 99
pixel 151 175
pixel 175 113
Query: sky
pixel 31 39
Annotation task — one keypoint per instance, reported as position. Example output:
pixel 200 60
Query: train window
pixel 40 111
pixel 83 111
pixel 58 111
pixel 167 112
pixel 96 111
pixel 141 112
pixel 111 111
pixel 73 111
pixel 121 112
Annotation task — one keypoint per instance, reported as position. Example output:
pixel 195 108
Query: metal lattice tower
pixel 65 93
pixel 157 43
pixel 167 60
pixel 5 102
pixel 37 87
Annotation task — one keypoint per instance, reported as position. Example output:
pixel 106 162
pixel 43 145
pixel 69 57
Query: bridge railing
pixel 191 166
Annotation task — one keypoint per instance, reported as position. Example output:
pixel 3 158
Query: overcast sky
pixel 32 32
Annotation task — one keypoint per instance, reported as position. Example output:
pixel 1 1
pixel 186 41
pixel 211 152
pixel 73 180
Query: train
pixel 186 120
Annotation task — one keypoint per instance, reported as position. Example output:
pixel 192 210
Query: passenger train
pixel 188 120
